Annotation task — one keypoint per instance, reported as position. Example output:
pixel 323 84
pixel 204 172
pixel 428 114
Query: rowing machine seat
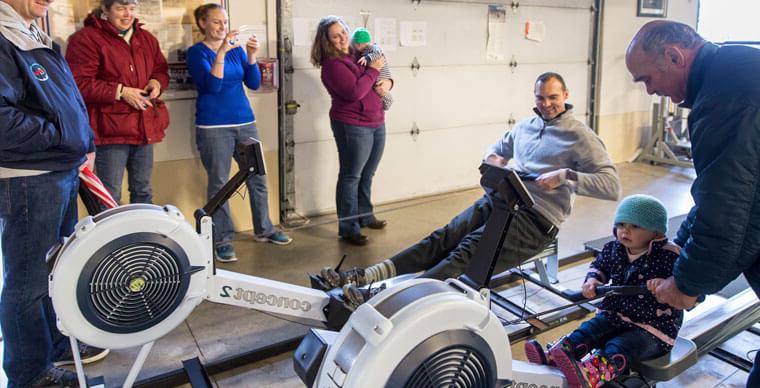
pixel 681 357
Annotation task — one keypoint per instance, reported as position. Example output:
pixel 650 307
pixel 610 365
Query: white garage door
pixel 460 99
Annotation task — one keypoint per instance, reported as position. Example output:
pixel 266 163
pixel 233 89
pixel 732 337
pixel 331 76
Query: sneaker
pixel 536 354
pixel 355 296
pixel 339 279
pixel 225 253
pixel 593 372
pixel 278 238
pixel 56 377
pixel 89 354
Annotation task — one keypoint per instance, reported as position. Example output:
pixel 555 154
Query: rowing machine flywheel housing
pixel 421 333
pixel 130 275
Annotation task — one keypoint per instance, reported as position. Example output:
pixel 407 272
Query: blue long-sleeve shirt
pixel 222 101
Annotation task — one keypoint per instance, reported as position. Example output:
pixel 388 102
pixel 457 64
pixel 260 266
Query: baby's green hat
pixel 361 35
pixel 643 210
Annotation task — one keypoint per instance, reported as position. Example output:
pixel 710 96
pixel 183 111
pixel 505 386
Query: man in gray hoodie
pixel 44 139
pixel 566 158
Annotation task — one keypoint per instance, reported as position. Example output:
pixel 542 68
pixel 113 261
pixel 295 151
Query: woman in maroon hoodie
pixel 120 71
pixel 358 123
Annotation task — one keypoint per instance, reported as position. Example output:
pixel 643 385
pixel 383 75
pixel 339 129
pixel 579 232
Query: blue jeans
pixel 35 213
pixel 110 162
pixel 217 147
pixel 359 152
pixel 601 333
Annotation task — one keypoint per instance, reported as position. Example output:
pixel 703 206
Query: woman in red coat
pixel 121 71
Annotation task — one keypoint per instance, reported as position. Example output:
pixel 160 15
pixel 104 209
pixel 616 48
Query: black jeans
pixel 447 252
pixel 600 333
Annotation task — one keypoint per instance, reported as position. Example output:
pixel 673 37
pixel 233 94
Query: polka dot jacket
pixel 613 266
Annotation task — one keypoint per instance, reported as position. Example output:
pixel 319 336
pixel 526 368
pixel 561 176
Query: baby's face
pixel 634 237
pixel 360 46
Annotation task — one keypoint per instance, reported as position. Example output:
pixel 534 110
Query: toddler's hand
pixel 652 284
pixel 589 288
pixel 362 61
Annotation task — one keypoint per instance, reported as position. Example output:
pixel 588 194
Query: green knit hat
pixel 361 35
pixel 643 210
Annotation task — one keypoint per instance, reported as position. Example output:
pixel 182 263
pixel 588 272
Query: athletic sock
pixel 379 271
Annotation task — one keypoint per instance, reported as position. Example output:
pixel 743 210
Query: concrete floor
pixel 215 331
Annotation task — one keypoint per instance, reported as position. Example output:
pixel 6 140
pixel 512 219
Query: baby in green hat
pixel 626 329
pixel 361 40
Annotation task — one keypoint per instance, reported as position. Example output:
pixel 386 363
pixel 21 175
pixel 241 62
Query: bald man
pixel 721 235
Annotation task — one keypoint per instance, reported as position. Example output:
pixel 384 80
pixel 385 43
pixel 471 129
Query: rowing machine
pixel 130 274
pixel 428 333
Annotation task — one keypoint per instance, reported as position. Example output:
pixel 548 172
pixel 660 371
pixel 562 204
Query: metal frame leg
pixel 137 366
pixel 78 361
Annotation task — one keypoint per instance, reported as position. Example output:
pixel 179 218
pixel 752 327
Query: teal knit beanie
pixel 361 35
pixel 643 210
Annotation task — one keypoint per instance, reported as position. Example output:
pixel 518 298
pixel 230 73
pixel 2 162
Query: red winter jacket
pixel 100 60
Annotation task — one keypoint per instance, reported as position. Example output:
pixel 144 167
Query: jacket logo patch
pixel 39 72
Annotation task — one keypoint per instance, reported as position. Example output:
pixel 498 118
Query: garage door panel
pixel 438 160
pixel 566 39
pixel 460 100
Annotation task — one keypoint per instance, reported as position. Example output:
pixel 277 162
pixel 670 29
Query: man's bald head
pixel 655 35
pixel 660 56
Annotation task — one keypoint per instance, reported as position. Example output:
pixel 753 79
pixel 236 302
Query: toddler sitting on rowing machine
pixel 625 328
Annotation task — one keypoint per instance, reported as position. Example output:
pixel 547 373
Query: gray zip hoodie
pixel 16 30
pixel 538 146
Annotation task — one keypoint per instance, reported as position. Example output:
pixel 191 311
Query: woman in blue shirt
pixel 224 118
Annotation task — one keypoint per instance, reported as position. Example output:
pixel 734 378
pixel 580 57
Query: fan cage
pixel 452 358
pixel 133 283
pixel 456 367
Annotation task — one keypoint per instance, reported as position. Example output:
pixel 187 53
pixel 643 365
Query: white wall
pixel 624 112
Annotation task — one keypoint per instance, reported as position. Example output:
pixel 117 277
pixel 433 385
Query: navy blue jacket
pixel 642 311
pixel 43 120
pixel 721 235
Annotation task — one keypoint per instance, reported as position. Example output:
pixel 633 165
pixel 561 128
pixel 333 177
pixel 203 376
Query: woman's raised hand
pixel 251 47
pixel 230 42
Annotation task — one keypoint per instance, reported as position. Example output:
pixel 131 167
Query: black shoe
pixel 89 354
pixel 357 239
pixel 377 224
pixel 56 377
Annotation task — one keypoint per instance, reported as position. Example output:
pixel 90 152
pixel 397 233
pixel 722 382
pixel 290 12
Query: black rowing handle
pixel 602 291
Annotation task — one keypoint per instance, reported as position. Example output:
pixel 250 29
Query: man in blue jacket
pixel 721 235
pixel 44 140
